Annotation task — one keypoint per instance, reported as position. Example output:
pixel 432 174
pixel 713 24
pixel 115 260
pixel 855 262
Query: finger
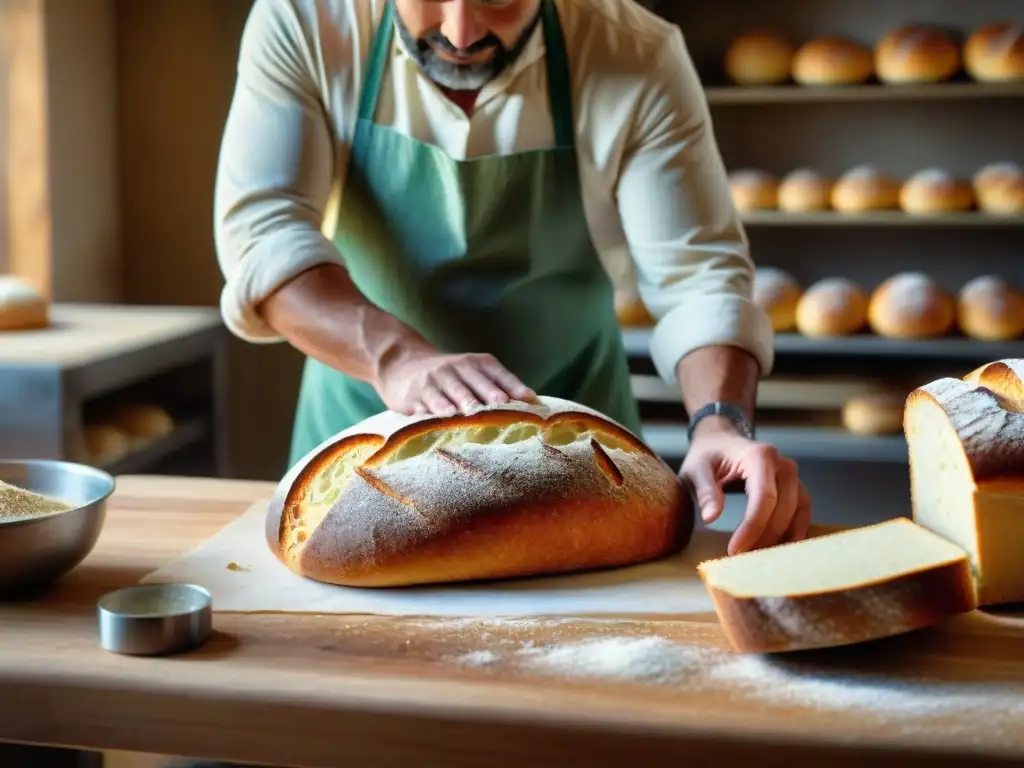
pixel 509 382
pixel 420 409
pixel 436 402
pixel 450 383
pixel 788 484
pixel 758 469
pixel 486 390
pixel 701 481
pixel 801 522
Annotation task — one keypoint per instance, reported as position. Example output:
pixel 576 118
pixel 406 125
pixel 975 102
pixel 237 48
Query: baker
pixel 429 199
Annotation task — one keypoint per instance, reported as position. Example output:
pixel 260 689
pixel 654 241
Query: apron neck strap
pixel 559 78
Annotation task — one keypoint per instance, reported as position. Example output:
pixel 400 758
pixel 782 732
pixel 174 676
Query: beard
pixel 462 77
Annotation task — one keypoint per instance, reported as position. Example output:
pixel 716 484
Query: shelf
pixel 668 440
pixel 878 219
pixel 791 393
pixel 185 435
pixel 801 94
pixel 637 344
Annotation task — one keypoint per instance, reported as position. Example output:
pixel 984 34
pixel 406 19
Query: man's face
pixel 464 44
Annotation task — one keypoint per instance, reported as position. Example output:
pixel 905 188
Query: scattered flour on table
pixel 654 659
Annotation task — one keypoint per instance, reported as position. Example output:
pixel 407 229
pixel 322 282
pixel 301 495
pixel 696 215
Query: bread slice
pixel 516 490
pixel 838 589
pixel 966 442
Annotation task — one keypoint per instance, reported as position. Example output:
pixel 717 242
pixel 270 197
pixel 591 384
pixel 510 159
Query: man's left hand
pixel 778 506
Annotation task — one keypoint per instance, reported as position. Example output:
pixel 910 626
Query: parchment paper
pixel 242 575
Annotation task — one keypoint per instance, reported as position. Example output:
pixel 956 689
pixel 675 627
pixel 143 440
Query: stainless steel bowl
pixel 36 551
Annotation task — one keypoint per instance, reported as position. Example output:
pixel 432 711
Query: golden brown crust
pixel 753 190
pixel 868 612
pixel 985 409
pixel 995 52
pixel 988 308
pixel 832 307
pixel 759 57
pixel 804 190
pixel 865 188
pixel 916 53
pixel 911 305
pixel 999 188
pixel 935 191
pixel 832 60
pixel 495 494
pixel 778 294
pixel 25 317
pixel 878 413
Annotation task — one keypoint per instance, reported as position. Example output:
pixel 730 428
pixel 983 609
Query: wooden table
pixel 372 691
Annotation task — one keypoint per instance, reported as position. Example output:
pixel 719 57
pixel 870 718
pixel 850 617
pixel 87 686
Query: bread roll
pixel 865 188
pixel 832 60
pixel 753 190
pixel 804 190
pixel 631 312
pixel 916 53
pixel 934 190
pixel 22 307
pixel 832 307
pixel 839 589
pixel 990 310
pixel 777 292
pixel 759 57
pixel 875 413
pixel 143 424
pixel 910 305
pixel 515 490
pixel 967 471
pixel 995 53
pixel 999 188
pixel 105 444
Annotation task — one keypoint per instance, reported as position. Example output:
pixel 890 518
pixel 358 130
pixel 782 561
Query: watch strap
pixel 730 411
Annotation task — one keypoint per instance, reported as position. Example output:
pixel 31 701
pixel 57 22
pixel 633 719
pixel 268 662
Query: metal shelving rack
pixel 959 125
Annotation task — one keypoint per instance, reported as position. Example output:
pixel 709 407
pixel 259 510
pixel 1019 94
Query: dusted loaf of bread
pixel 966 442
pixel 843 588
pixel 515 490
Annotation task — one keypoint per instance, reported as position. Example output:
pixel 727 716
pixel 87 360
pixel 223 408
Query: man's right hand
pixel 426 381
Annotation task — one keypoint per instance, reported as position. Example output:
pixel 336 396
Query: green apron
pixel 492 254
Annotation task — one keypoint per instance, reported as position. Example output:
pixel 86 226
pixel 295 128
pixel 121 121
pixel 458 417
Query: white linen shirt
pixel 654 186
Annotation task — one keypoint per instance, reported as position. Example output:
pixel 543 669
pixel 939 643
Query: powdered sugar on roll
pixel 771 283
pixel 751 177
pixel 834 293
pixel 15 292
pixel 936 176
pixel 913 293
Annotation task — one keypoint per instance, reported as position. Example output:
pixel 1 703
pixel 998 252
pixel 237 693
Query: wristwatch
pixel 730 411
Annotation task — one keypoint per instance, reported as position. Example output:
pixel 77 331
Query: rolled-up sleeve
pixel 275 170
pixel 693 267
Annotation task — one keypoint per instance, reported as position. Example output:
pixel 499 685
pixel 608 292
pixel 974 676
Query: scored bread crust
pixel 986 411
pixel 504 491
pixel 830 619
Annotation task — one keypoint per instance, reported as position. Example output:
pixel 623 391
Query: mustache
pixel 436 40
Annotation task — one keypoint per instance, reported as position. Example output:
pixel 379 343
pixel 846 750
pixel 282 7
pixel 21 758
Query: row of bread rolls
pixel 128 429
pixel 997 188
pixel 908 305
pixel 913 53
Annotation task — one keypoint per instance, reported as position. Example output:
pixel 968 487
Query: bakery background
pixel 110 121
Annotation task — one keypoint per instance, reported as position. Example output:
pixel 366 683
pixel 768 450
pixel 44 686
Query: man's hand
pixel 424 381
pixel 778 507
